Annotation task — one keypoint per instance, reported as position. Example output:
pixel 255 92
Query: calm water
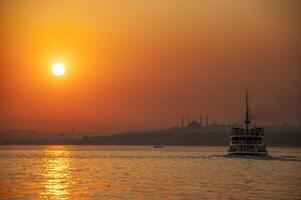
pixel 121 172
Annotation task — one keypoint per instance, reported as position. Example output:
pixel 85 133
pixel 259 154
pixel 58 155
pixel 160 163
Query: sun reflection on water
pixel 56 173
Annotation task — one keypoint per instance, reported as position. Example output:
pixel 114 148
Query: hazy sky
pixel 140 64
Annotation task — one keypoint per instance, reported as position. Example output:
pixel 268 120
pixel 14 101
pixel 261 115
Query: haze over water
pixel 141 172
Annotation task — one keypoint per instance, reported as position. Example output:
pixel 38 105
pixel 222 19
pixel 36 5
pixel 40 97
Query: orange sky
pixel 139 64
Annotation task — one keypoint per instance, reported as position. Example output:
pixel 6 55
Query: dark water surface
pixel 142 172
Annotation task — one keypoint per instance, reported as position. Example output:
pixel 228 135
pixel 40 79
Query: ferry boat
pixel 247 141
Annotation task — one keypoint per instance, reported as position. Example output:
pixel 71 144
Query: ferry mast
pixel 247 121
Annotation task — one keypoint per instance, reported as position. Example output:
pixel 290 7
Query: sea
pixel 145 172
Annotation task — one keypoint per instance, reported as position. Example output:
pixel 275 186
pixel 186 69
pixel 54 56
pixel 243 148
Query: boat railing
pixel 246 142
pixel 253 131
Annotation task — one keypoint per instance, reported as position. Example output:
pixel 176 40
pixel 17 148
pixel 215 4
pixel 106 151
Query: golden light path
pixel 58 69
pixel 56 173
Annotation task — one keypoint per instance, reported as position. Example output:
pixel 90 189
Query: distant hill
pixel 190 135
pixel 217 135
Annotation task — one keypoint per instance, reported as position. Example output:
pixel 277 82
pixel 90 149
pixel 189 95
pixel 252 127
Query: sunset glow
pixel 129 65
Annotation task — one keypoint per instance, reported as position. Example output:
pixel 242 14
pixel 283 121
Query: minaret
pixel 201 120
pixel 188 120
pixel 206 120
pixel 247 121
pixel 182 120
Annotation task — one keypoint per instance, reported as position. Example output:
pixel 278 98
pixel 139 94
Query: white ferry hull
pixel 242 153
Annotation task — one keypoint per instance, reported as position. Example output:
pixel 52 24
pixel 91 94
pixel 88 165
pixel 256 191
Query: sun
pixel 58 69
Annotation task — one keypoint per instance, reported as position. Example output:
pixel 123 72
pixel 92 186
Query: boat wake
pixel 269 157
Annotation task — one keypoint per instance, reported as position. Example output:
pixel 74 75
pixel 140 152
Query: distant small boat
pixel 246 141
pixel 157 146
